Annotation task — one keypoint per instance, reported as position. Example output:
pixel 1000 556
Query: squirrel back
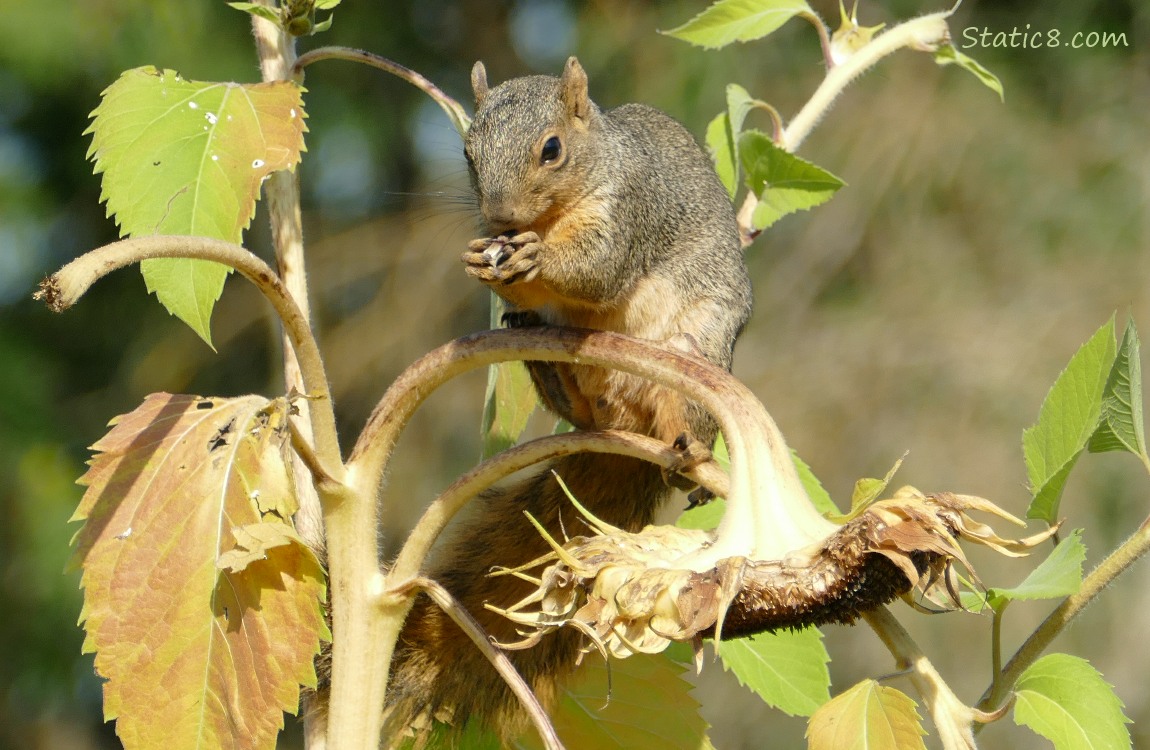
pixel 608 220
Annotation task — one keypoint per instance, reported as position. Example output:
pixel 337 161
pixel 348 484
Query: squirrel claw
pixel 521 319
pixel 691 454
pixel 699 496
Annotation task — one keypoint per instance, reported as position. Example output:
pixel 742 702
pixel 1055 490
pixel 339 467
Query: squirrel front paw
pixel 504 259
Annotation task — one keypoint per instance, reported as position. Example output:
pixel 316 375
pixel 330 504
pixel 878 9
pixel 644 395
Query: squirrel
pixel 610 220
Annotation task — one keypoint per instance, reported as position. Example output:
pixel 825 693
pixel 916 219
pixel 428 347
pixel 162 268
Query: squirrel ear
pixel 573 88
pixel 479 82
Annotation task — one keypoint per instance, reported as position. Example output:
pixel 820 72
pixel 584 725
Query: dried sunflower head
pixel 630 593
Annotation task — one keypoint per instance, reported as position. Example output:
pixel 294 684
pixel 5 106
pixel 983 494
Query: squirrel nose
pixel 500 217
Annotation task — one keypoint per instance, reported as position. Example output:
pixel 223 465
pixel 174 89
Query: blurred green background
pixel 927 308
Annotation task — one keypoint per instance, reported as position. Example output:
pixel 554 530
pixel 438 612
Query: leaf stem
pixel 454 110
pixel 498 659
pixel 1102 576
pixel 996 641
pixel 824 35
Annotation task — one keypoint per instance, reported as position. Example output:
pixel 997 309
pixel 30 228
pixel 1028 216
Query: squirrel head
pixel 531 148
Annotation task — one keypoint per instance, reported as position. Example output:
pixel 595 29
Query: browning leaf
pixel 195 655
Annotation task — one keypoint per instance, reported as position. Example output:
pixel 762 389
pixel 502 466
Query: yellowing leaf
pixel 185 157
pixel 869 716
pixel 195 656
pixel 253 543
pixel 866 491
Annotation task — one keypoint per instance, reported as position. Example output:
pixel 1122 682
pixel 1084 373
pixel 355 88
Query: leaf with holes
pixel 194 583
pixel 185 157
pixel 728 21
pixel 869 716
pixel 787 669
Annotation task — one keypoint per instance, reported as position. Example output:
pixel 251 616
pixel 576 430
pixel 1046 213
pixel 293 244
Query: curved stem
pixel 1109 569
pixel 454 111
pixel 953 719
pixel 824 35
pixel 62 289
pixel 451 501
pixel 762 518
pixel 921 33
pixel 498 659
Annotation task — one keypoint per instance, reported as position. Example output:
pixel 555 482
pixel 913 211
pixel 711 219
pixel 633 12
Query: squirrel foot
pixel 691 454
pixel 521 319
pixel 503 259
pixel 699 496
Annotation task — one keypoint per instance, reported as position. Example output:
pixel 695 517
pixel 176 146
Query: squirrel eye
pixel 551 150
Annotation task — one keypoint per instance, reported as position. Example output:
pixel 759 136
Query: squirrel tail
pixel 437 671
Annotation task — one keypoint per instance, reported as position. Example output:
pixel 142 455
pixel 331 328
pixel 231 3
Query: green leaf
pixel 704 517
pixel 869 716
pixel 820 498
pixel 326 4
pixel 721 146
pixel 1064 699
pixel 1120 425
pixel 947 54
pixel 510 397
pixel 1059 575
pixel 723 136
pixel 866 491
pixel 640 702
pixel 262 11
pixel 728 21
pixel 784 182
pixel 184 157
pixel 787 669
pixel 1066 421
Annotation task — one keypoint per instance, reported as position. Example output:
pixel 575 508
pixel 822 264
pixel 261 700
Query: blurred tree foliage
pixel 1058 174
